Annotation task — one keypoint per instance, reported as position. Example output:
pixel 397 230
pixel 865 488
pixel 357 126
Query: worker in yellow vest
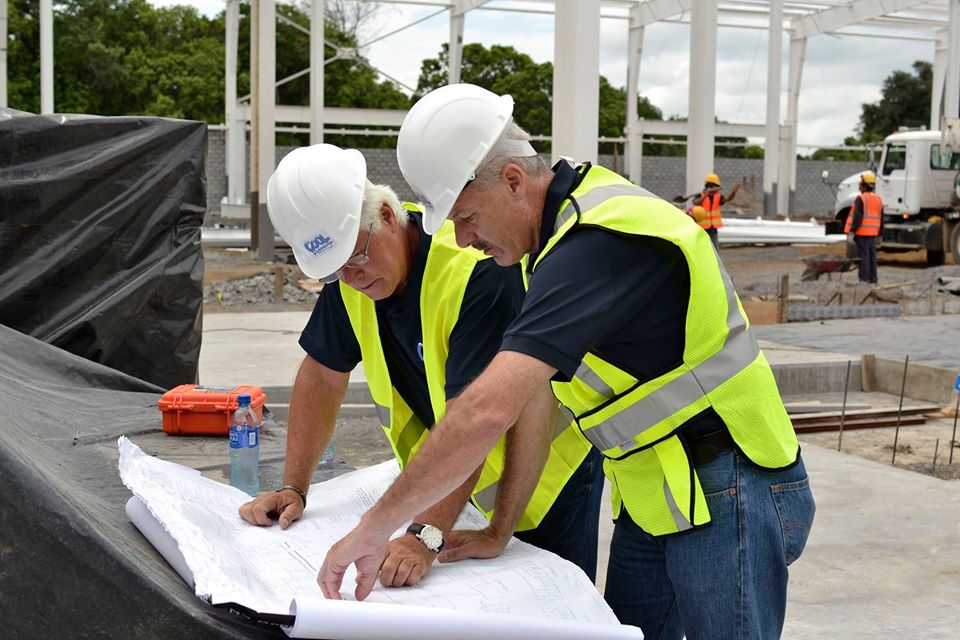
pixel 711 199
pixel 865 224
pixel 425 318
pixel 631 315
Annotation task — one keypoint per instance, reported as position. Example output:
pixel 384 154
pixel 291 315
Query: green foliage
pixel 504 70
pixel 905 101
pixel 127 57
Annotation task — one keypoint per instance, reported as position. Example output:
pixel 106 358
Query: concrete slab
pixel 254 348
pixel 928 339
pixel 883 558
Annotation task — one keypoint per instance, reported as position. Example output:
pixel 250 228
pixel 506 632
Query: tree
pixel 905 101
pixel 127 57
pixel 504 70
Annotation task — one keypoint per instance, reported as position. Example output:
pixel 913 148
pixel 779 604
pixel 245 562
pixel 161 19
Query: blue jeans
pixel 726 580
pixel 571 526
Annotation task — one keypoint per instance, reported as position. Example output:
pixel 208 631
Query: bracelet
pixel 295 488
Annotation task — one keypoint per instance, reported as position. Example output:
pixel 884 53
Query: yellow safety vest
pixel 635 424
pixel 445 279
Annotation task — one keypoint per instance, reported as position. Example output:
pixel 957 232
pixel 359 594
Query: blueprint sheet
pixel 526 592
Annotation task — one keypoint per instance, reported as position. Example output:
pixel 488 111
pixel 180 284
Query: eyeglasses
pixel 356 260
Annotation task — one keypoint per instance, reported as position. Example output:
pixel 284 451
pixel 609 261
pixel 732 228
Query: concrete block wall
pixel 664 176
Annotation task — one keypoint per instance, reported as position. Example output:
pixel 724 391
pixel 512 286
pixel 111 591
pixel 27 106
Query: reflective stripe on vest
pixel 711 205
pixel 635 424
pixel 445 280
pixel 872 207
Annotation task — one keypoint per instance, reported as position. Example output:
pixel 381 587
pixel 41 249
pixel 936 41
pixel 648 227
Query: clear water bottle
pixel 245 448
pixel 328 455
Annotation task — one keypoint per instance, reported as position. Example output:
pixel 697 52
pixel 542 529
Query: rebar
pixel 843 409
pixel 903 386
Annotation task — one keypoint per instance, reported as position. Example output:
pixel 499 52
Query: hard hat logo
pixel 314 199
pixel 318 244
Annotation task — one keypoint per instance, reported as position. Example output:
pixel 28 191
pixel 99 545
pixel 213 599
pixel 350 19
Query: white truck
pixel 919 181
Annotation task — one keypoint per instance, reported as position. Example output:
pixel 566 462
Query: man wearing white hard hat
pixel 633 318
pixel 425 318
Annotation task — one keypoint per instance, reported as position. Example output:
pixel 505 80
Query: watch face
pixel 432 537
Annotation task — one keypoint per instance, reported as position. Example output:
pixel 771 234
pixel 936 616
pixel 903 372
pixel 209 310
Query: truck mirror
pixel 824 174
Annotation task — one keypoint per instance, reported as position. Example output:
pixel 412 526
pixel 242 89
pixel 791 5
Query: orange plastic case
pixel 197 410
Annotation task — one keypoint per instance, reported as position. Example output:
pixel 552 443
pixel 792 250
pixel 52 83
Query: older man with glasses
pixel 425 318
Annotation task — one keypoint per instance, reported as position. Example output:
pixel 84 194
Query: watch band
pixel 300 492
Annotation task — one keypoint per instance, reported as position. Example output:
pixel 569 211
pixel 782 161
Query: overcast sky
pixel 839 74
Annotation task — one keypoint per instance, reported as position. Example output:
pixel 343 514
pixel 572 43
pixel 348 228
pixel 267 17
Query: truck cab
pixel 917 179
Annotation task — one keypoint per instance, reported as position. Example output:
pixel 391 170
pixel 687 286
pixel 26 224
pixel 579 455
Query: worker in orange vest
pixel 865 223
pixel 711 199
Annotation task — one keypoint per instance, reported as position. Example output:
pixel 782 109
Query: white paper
pixel 270 570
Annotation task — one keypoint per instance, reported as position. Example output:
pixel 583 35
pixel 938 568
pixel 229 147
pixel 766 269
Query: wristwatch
pixel 429 536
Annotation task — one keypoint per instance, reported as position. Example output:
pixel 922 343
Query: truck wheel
pixel 955 243
pixel 935 258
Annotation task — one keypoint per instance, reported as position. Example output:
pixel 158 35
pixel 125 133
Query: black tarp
pixel 71 564
pixel 100 238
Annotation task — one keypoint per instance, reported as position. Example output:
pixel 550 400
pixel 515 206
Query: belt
pixel 705 448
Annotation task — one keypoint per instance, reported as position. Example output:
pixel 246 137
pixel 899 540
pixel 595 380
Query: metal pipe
pixel 903 386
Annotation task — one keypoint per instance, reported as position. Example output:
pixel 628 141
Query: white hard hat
pixel 444 139
pixel 314 200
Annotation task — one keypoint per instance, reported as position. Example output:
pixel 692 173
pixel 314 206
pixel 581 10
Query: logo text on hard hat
pixel 318 244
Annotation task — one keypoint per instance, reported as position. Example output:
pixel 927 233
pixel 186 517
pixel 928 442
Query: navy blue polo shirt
pixel 491 301
pixel 621 297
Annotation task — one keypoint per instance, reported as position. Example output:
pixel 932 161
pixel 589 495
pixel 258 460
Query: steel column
pixel 46 56
pixel 634 146
pixel 235 138
pixel 788 164
pixel 702 92
pixel 951 97
pixel 317 54
pixel 771 154
pixel 3 53
pixel 576 80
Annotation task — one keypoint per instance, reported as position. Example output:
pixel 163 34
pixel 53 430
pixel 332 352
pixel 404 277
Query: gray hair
pixel 374 197
pixel 488 174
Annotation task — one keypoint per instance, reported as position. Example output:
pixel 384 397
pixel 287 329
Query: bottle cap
pixel 243 400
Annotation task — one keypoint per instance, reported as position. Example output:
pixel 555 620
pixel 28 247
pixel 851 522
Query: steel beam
pixel 656 10
pixel 576 80
pixel 317 66
pixel 702 92
pixel 771 155
pixel 838 17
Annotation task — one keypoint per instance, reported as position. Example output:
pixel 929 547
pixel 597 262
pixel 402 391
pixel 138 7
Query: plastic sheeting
pixel 71 565
pixel 100 238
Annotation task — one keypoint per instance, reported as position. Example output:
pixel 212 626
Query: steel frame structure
pixel 575 105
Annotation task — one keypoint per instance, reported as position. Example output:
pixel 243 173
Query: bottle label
pixel 248 438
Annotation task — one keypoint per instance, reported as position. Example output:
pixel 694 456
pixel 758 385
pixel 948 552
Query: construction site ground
pixel 883 560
